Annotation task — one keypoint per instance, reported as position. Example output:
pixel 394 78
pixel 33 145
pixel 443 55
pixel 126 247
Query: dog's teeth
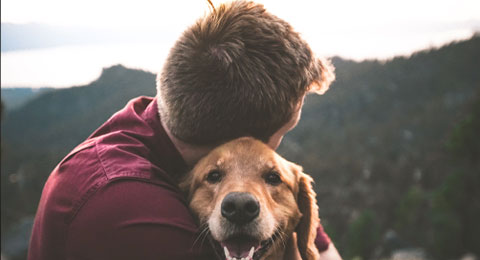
pixel 250 254
pixel 249 257
pixel 227 253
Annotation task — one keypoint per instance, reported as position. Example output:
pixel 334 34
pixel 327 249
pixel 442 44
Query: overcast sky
pixel 351 28
pixel 307 14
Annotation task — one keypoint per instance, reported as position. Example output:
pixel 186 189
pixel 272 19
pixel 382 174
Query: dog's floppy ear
pixel 307 227
pixel 186 184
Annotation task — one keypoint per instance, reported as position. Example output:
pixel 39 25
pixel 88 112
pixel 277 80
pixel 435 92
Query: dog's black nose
pixel 240 207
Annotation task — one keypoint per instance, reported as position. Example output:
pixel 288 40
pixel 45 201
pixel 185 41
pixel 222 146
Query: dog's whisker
pixel 284 240
pixel 203 239
pixel 204 233
pixel 207 232
pixel 196 239
pixel 282 237
pixel 272 240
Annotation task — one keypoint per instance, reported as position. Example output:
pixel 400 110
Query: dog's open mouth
pixel 245 247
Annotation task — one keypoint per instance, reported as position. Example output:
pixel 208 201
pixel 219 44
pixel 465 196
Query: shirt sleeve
pixel 131 219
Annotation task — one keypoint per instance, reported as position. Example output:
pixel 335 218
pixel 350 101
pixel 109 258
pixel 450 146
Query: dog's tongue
pixel 240 247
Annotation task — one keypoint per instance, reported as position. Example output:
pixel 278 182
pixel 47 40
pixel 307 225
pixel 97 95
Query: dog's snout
pixel 240 207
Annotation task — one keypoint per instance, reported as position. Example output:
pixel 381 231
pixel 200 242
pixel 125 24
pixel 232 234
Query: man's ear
pixel 307 227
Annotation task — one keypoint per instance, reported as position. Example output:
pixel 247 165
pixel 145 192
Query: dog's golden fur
pixel 286 207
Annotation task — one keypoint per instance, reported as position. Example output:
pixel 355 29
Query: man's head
pixel 238 71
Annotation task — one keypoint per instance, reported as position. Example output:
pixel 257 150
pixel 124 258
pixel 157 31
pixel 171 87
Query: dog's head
pixel 252 200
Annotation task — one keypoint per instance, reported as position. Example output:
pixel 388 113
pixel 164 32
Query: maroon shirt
pixel 115 196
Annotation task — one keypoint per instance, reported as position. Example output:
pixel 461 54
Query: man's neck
pixel 191 154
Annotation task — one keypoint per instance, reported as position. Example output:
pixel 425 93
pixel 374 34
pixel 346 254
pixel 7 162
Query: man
pixel 238 71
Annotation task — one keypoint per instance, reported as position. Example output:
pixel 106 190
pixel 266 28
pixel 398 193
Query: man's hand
pixel 292 253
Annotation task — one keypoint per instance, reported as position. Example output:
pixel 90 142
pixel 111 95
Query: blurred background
pixel 393 145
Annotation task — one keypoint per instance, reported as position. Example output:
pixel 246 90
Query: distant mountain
pixel 375 143
pixel 378 138
pixel 390 111
pixel 16 97
pixel 61 118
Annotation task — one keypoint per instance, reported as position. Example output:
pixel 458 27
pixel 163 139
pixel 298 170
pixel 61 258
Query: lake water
pixel 79 65
pixel 75 65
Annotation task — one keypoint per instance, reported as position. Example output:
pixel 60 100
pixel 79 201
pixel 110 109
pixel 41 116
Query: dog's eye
pixel 273 178
pixel 214 176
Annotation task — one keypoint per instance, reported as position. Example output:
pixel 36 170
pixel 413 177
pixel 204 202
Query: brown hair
pixel 238 71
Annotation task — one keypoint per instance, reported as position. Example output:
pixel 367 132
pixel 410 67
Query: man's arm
pixel 135 220
pixel 325 246
pixel 330 254
pixel 292 252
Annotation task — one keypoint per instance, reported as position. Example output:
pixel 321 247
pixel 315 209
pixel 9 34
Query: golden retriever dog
pixel 250 200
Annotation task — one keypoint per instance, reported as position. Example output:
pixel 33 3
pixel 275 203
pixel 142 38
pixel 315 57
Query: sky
pixel 352 29
pixel 309 15
pixel 334 22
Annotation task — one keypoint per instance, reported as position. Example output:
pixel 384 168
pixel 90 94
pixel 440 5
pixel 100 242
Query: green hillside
pixel 392 148
pixel 376 146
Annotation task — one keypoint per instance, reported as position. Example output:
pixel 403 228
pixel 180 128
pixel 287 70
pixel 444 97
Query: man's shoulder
pixel 105 158
pixel 127 202
pixel 99 161
pixel 132 206
pixel 121 155
pixel 133 143
pixel 96 211
pixel 130 145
